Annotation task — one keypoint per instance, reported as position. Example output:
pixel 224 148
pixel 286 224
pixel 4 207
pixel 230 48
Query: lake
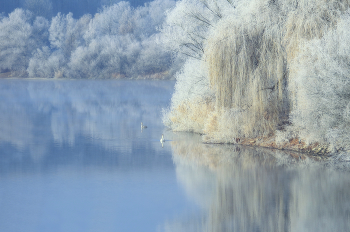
pixel 73 157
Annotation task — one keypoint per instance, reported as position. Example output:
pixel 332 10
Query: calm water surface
pixel 73 157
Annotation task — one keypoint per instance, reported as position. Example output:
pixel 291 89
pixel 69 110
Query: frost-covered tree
pixel 110 21
pixel 46 64
pixel 149 18
pixel 321 86
pixel 15 32
pixel 185 32
pixel 275 70
pixel 151 59
pixel 106 57
pixel 40 31
pixel 66 33
pixel 121 42
pixel 20 35
pixel 188 24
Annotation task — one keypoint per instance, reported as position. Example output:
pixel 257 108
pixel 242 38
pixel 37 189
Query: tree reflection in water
pixel 254 189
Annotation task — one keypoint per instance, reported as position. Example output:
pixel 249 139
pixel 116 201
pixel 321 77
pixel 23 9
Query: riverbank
pixel 295 145
pixel 6 75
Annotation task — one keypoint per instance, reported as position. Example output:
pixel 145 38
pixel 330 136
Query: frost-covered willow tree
pixel 185 32
pixel 262 69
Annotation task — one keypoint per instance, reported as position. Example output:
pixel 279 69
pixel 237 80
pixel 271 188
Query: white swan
pixel 162 140
pixel 142 126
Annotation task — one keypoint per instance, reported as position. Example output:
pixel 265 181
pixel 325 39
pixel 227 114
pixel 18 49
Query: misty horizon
pixel 51 8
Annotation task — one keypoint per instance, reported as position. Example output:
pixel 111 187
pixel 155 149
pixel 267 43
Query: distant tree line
pixel 119 41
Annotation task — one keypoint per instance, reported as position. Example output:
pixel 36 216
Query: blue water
pixel 73 157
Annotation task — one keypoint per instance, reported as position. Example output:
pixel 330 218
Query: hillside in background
pixel 49 8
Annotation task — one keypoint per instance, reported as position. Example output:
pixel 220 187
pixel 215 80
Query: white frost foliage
pixel 114 20
pixel 45 64
pixel 195 87
pixel 121 19
pixel 190 95
pixel 322 86
pixel 16 41
pixel 151 58
pixel 188 23
pixel 101 58
pixel 149 18
pixel 66 33
pixel 40 31
pixel 270 63
pixel 118 42
pixel 123 42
